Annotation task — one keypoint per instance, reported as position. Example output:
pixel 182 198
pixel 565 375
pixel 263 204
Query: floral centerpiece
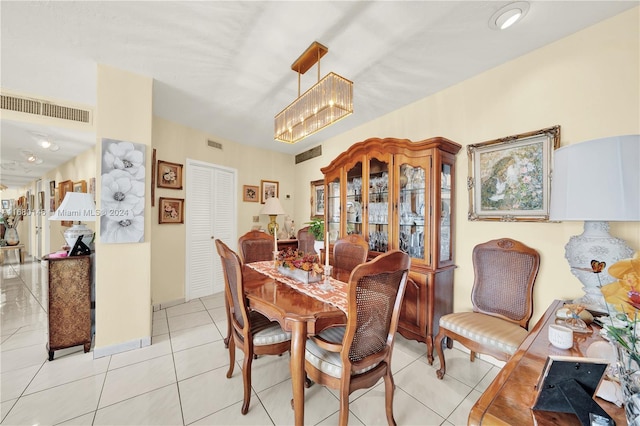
pixel 298 265
pixel 623 329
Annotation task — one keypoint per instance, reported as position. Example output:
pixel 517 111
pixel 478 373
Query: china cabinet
pixel 399 195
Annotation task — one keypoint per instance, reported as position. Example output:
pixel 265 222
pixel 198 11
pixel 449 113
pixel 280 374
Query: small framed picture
pixel 250 193
pixel 52 188
pixel 6 204
pixel 268 189
pixel 92 187
pixel 169 175
pixel 41 200
pixel 171 210
pixel 64 187
pixel 80 186
pixel 317 199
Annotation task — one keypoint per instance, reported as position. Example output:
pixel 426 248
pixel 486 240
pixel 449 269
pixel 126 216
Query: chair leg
pixel 389 387
pixel 246 377
pixel 344 406
pixel 226 339
pixel 232 356
pixel 472 356
pixel 439 350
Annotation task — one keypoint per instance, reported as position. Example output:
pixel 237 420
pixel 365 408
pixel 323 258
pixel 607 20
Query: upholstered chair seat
pixel 486 330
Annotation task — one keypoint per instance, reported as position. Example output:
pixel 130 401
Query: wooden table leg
pixel 298 341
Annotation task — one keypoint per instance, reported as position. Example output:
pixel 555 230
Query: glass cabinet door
pixel 333 210
pixel 353 209
pixel 412 203
pixel 378 205
pixel 445 213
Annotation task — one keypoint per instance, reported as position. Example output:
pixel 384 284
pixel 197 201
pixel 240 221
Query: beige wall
pixel 122 271
pixel 588 83
pixel 176 143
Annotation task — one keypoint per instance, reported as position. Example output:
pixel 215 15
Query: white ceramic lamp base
pixel 595 243
pixel 72 234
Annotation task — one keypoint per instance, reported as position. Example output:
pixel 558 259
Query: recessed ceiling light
pixel 45 144
pixel 508 15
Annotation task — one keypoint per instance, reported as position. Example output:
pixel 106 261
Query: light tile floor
pixel 180 378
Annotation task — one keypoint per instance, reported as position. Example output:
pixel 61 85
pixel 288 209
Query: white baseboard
pixel 166 305
pixel 121 347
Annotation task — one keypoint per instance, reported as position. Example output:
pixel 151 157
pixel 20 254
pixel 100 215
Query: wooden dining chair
pixel 255 246
pixel 251 331
pixel 348 252
pixel 357 355
pixel 306 241
pixel 502 297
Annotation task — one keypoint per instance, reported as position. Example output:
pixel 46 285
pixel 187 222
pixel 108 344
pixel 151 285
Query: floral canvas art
pixel 123 192
pixel 510 178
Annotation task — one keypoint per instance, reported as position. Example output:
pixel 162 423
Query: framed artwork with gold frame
pixel 510 178
pixel 317 199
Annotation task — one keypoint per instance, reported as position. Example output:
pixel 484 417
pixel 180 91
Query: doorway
pixel 211 201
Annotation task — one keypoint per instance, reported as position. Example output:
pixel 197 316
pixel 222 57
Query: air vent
pixel 214 144
pixel 309 154
pixel 45 108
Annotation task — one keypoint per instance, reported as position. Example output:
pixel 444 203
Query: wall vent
pixel 45 108
pixel 309 154
pixel 214 144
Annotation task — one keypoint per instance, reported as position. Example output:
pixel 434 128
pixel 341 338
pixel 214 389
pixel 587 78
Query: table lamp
pixel 273 208
pixel 597 181
pixel 77 206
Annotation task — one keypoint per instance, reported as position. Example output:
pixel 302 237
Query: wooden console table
pixel 19 247
pixel 509 398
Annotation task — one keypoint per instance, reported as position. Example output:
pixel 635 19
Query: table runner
pixel 336 297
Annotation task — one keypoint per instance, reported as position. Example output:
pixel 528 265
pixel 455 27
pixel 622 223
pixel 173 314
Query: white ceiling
pixel 223 67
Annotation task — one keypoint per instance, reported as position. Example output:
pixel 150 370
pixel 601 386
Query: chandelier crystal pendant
pixel 328 101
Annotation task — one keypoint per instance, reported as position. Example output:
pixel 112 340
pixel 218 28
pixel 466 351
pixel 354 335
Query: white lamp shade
pixel 597 180
pixel 76 206
pixel 272 207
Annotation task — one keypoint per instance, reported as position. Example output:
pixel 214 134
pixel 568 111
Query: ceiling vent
pixel 214 144
pixel 44 108
pixel 309 154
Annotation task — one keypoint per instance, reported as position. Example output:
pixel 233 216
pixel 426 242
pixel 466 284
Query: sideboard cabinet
pixel 69 302
pixel 399 195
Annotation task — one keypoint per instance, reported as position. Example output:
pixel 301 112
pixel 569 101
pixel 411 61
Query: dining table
pixel 304 309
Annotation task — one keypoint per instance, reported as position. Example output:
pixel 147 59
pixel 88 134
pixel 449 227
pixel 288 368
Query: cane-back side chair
pixel 255 246
pixel 348 252
pixel 357 355
pixel 251 331
pixel 306 241
pixel 505 271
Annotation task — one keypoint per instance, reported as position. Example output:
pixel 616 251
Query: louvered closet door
pixel 210 213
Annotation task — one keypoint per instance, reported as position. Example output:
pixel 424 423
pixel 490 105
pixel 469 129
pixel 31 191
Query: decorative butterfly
pixel 596 267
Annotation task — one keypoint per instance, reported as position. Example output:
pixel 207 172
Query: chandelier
pixel 328 101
